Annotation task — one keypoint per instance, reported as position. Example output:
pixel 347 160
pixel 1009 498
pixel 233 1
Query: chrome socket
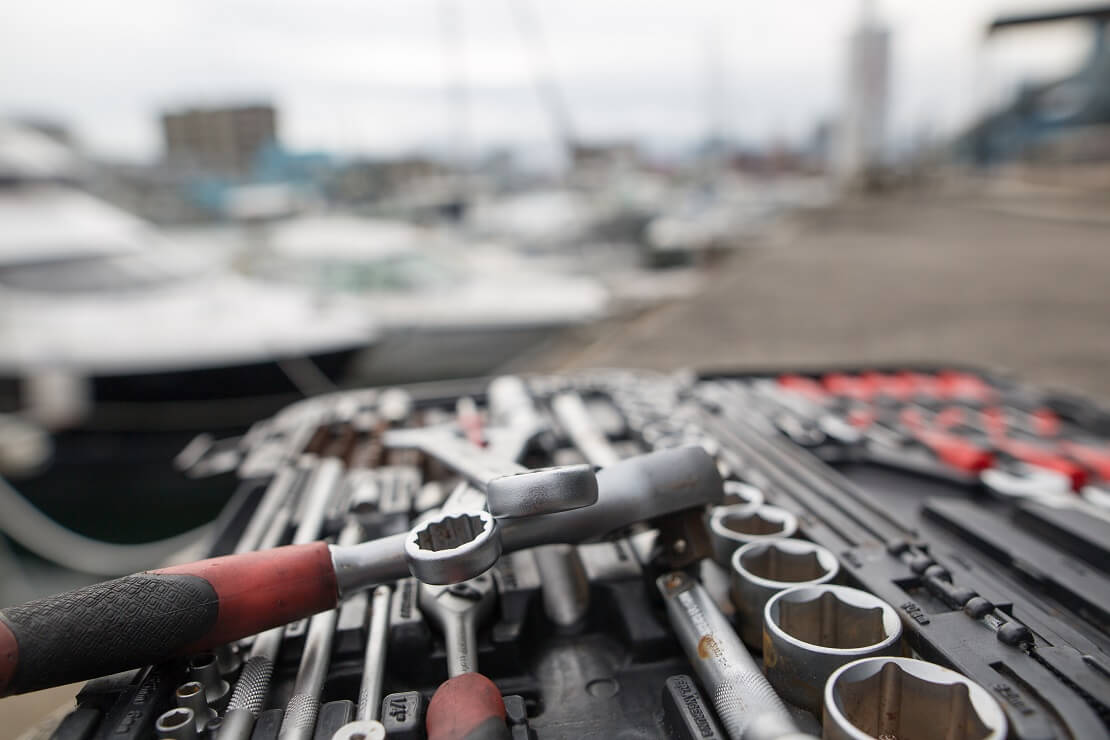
pixel 762 569
pixel 363 729
pixel 204 668
pixel 902 697
pixel 177 724
pixel 742 493
pixel 731 527
pixel 811 631
pixel 191 696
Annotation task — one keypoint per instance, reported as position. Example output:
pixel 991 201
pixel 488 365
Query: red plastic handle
pixel 1046 459
pixel 147 617
pixel 957 453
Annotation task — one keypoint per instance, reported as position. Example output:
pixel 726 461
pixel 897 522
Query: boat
pixel 123 344
pixel 445 307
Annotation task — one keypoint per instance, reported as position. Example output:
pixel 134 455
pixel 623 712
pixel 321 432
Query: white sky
pixel 370 76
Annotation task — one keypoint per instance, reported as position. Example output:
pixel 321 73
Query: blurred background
pixel 209 210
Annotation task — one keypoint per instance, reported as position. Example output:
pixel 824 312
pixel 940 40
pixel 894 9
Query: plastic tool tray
pixel 895 471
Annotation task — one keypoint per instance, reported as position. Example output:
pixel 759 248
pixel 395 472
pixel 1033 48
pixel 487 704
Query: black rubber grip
pixel 108 627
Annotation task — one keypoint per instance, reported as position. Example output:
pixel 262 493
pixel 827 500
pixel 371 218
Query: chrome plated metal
pixel 638 489
pixel 299 721
pixel 902 697
pixel 762 569
pixel 177 724
pixel 746 704
pixel 731 527
pixel 191 696
pixel 458 611
pixel 810 631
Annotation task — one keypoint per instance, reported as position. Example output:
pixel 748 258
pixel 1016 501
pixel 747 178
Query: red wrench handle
pixel 143 618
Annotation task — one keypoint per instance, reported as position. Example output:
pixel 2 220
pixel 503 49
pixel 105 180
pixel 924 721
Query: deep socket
pixel 810 631
pixel 902 697
pixel 731 527
pixel 762 569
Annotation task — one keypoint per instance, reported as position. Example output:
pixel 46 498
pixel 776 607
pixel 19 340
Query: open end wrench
pixel 459 610
pixel 187 608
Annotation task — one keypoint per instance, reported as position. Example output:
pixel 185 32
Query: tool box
pixel 964 518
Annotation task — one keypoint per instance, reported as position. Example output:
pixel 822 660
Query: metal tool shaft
pixel 300 713
pixel 746 704
pixel 373 664
pixel 249 695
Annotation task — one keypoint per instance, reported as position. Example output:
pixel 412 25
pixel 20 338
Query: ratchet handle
pixel 148 617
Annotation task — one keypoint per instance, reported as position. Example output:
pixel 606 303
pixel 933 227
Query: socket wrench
pixel 762 569
pixel 810 631
pixel 903 697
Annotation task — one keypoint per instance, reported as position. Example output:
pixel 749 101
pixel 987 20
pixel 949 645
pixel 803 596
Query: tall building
pixel 218 140
pixel 862 130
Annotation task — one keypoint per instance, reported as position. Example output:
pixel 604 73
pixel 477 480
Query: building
pixel 218 140
pixel 862 132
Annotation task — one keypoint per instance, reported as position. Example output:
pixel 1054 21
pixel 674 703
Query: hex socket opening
pixel 785 561
pixel 742 494
pixel 449 532
pixel 186 690
pixel 833 618
pixel 202 660
pixel 763 521
pixel 905 698
pixel 174 719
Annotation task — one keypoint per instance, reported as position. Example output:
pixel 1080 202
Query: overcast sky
pixel 359 75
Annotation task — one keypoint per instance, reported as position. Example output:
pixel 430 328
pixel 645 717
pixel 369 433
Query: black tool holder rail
pixel 958 608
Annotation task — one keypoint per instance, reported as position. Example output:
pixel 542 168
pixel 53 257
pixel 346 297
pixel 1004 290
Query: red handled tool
pixel 143 618
pixel 955 452
pixel 148 617
pixel 467 707
pixel 1044 458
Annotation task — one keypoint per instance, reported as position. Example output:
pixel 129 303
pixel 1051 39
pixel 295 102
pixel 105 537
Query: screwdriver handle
pixel 143 618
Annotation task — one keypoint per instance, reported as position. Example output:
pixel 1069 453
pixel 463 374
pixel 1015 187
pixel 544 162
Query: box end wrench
pixel 145 618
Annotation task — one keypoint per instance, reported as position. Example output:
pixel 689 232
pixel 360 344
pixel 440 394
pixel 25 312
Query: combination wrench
pixel 458 611
pixel 147 617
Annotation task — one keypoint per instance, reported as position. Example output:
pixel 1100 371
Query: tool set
pixel 900 553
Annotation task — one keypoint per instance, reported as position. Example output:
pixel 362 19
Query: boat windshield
pixel 103 273
pixel 395 273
